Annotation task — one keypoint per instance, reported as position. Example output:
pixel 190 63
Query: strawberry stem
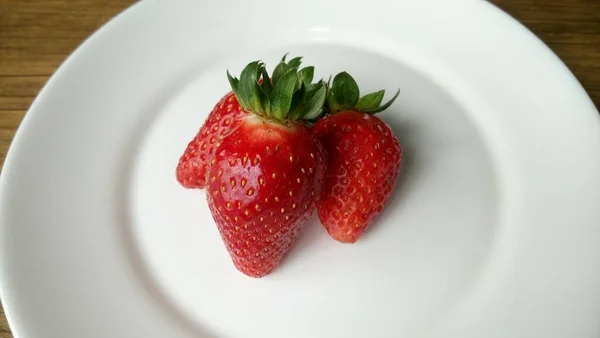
pixel 287 95
pixel 344 94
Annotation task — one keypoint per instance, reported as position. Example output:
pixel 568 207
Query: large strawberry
pixel 364 160
pixel 267 175
pixel 222 120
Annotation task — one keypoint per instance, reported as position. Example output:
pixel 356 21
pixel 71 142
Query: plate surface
pixel 493 230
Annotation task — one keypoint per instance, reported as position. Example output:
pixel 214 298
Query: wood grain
pixel 37 35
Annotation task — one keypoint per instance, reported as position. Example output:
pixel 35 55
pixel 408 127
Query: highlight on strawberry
pixel 266 175
pixel 363 159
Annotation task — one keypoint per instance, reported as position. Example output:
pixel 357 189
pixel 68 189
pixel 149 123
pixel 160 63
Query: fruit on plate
pixel 222 120
pixel 193 163
pixel 266 176
pixel 363 159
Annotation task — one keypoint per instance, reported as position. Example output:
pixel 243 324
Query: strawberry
pixel 193 164
pixel 267 175
pixel 364 160
pixel 222 120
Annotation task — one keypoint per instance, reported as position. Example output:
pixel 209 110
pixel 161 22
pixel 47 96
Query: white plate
pixel 493 231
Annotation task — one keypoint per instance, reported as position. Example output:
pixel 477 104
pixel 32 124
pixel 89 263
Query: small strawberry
pixel 267 175
pixel 222 120
pixel 193 164
pixel 363 160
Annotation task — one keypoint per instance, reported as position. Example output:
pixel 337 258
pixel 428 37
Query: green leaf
pixel 314 104
pixel 265 102
pixel 234 83
pixel 386 105
pixel 332 105
pixel 281 98
pixel 257 96
pixel 278 72
pixel 284 57
pixel 306 74
pixel 295 62
pixel 248 84
pixel 308 101
pixel 370 102
pixel 345 90
pixel 297 103
pixel 288 94
pixel 266 84
pixel 258 99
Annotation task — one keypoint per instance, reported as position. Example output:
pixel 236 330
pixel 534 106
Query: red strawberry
pixel 363 160
pixel 267 176
pixel 193 164
pixel 222 120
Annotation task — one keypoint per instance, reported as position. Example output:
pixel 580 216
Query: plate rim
pixel 32 112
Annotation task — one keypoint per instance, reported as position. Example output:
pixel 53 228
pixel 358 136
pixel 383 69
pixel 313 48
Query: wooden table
pixel 37 35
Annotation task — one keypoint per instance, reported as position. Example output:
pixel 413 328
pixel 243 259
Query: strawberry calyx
pixel 344 95
pixel 287 95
